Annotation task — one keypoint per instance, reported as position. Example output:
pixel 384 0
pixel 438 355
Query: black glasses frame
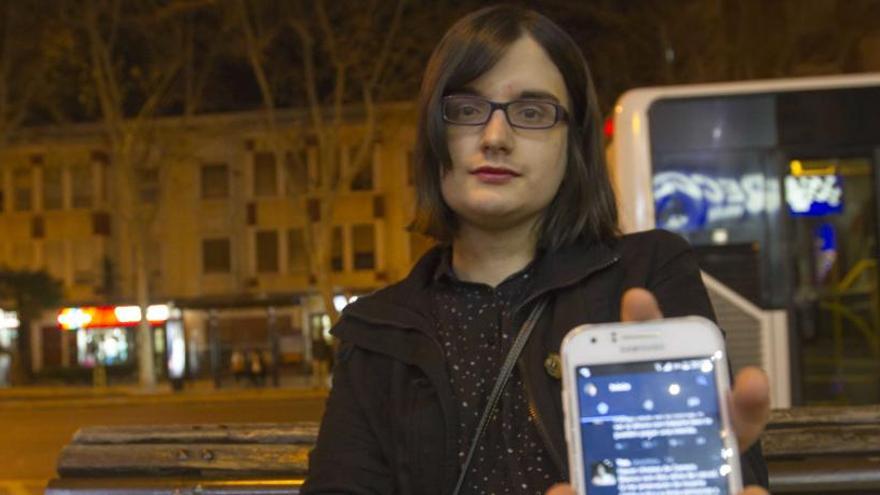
pixel 560 115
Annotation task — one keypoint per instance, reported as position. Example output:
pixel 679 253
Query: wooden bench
pixel 185 459
pixel 808 450
pixel 812 450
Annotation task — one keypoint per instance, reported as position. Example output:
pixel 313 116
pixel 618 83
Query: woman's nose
pixel 497 133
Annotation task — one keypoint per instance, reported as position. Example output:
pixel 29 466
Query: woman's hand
pixel 749 403
pixel 750 400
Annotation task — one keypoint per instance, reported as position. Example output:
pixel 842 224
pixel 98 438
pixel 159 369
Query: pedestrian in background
pixel 237 364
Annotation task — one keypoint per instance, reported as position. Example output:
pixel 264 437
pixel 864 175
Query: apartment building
pixel 222 208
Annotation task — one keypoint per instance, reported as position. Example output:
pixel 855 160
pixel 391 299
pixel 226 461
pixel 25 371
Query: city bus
pixel 775 185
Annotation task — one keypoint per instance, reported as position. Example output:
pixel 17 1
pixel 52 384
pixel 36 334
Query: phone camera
pixel 593 340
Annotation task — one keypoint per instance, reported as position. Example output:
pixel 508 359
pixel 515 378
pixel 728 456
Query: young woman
pixel 511 182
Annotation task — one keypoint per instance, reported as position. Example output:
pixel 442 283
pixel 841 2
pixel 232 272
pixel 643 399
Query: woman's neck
pixel 489 257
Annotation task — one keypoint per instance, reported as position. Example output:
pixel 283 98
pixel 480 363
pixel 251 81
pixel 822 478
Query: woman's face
pixel 503 177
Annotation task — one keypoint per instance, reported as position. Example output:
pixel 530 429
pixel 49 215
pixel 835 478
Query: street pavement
pixel 36 422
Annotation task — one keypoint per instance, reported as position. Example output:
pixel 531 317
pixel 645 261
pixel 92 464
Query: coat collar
pixel 407 304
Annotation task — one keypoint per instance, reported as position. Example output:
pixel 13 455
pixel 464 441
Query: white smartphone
pixel 645 409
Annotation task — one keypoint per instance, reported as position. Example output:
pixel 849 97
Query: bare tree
pixel 25 57
pixel 355 58
pixel 130 91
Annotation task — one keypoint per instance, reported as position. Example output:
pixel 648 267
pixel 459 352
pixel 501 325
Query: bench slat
pixel 241 460
pixel 825 475
pixel 257 433
pixel 818 415
pixel 821 440
pixel 173 486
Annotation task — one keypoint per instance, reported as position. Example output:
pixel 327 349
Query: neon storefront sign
pixel 110 316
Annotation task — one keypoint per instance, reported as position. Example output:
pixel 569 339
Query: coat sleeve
pixel 347 458
pixel 676 283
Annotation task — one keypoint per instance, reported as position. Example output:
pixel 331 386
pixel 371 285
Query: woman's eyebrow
pixel 465 91
pixel 538 95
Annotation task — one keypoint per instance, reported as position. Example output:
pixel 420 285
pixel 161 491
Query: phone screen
pixel 652 428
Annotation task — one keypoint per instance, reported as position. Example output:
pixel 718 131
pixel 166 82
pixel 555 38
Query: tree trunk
pixel 146 370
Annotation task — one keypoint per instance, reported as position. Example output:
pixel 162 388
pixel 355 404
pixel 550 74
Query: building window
pixel 148 184
pixel 297 256
pixel 82 186
pixel 363 240
pixel 265 174
pixel 22 185
pixel 363 180
pixel 53 198
pixel 267 251
pixel 336 250
pixel 216 256
pixel 297 171
pixel 215 181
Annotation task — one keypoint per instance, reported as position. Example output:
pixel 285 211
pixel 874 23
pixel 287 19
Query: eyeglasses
pixel 525 114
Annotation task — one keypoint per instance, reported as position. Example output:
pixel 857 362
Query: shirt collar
pixel 444 272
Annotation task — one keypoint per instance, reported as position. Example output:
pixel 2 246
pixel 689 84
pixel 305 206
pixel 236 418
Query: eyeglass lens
pixel 520 113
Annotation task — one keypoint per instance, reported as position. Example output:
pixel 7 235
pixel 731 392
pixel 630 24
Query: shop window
pixel 107 346
pixel 22 189
pixel 363 239
pixel 297 172
pixel 336 250
pixel 297 257
pixel 267 251
pixel 53 196
pixel 265 174
pixel 216 256
pixel 82 185
pixel 215 181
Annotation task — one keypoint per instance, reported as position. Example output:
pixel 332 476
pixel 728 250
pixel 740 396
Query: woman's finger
pixel 750 405
pixel 639 304
pixel 754 490
pixel 562 489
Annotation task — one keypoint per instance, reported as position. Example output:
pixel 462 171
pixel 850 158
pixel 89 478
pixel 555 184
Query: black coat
pixel 391 423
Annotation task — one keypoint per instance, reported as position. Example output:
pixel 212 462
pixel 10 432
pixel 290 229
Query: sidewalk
pixel 201 390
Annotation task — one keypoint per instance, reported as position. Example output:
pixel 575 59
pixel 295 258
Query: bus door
pixel 831 206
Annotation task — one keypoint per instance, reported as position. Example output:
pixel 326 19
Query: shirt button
pixel 553 365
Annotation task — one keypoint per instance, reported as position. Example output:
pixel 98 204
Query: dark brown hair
pixel 583 208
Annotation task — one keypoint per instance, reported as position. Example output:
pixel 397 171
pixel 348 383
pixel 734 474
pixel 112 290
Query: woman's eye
pixel 532 113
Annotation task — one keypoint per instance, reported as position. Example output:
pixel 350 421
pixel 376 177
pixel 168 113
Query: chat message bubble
pixel 650 426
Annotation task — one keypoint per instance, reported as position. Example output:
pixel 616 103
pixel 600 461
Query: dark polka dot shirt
pixel 476 327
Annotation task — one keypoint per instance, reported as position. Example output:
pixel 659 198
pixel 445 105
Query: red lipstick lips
pixel 494 175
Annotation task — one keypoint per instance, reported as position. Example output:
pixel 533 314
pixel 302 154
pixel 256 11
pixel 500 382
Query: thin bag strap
pixel 503 376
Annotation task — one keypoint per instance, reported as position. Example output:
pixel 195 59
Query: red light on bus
pixel 608 128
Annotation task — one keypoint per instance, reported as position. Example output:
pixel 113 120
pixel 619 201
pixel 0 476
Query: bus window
pixel 775 185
